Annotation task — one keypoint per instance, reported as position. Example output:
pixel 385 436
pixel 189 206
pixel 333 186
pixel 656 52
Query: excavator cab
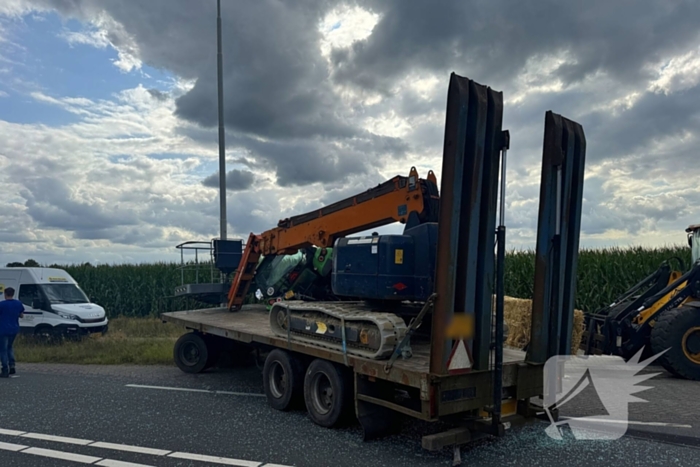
pixel 301 275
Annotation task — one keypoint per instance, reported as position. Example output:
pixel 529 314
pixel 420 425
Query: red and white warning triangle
pixel 460 361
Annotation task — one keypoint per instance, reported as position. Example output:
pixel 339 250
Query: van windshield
pixel 64 293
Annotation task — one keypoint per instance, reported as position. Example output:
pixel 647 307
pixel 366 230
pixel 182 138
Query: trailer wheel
pixel 283 380
pixel 191 353
pixel 678 330
pixel 328 393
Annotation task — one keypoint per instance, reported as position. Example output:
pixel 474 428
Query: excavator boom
pixel 408 200
pixel 391 201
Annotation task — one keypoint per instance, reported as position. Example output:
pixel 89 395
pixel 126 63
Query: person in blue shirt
pixel 11 311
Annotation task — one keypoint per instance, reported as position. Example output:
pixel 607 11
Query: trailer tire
pixel 678 330
pixel 283 380
pixel 190 353
pixel 328 393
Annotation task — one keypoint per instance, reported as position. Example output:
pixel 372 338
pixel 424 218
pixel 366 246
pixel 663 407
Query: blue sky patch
pixel 47 63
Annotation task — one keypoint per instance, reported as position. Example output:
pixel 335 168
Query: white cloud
pixel 105 32
pixel 100 189
pixel 15 8
pixel 3 94
pixel 679 73
pixel 344 26
pixel 96 38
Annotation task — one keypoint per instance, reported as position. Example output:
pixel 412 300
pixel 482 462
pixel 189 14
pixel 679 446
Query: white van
pixel 54 303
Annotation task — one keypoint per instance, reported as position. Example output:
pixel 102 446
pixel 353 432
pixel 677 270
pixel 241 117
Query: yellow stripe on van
pixel 58 279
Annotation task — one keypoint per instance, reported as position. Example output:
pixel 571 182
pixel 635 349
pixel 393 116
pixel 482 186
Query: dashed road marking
pixel 66 456
pixel 214 459
pixel 12 447
pixel 625 422
pixel 128 448
pixel 117 447
pixel 112 463
pixel 57 439
pixel 168 388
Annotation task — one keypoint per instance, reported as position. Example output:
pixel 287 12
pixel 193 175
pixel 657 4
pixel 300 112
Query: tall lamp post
pixel 222 136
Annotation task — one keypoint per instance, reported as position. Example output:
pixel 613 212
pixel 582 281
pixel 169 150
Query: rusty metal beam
pixel 467 218
pixel 559 224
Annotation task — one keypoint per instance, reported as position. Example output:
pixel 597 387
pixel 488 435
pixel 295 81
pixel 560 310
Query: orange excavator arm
pixel 395 200
pixel 392 201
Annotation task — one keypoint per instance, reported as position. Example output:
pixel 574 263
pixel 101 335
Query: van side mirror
pixel 36 304
pixel 690 240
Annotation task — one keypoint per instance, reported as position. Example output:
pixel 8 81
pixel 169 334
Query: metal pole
pixel 222 140
pixel 500 297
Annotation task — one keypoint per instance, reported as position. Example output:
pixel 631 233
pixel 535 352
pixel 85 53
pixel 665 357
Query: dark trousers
pixel 7 353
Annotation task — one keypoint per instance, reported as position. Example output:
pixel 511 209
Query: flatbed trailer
pixel 436 396
pixel 457 370
pixel 439 395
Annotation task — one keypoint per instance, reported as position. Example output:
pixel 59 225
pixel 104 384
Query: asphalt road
pixel 105 410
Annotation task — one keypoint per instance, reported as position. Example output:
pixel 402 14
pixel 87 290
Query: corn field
pixel 147 289
pixel 603 274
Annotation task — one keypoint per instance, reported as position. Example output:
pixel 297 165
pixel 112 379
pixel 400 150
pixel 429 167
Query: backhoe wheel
pixel 328 393
pixel 283 380
pixel 191 353
pixel 678 330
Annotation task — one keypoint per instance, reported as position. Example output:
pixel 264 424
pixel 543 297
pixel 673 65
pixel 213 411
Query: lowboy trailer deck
pixel 437 395
pixel 448 362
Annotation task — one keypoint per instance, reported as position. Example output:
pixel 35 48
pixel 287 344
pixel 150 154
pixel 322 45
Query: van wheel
pixel 190 353
pixel 328 393
pixel 283 380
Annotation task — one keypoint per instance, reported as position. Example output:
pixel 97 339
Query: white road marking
pixel 12 447
pixel 58 439
pixel 127 448
pixel 67 456
pixel 602 420
pixel 111 463
pixel 165 388
pixel 214 459
pixel 117 447
pixel 251 394
pixel 168 388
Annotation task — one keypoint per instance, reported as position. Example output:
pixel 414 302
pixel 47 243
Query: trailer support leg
pixel 456 456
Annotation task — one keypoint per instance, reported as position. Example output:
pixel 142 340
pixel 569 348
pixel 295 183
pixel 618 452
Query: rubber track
pixel 392 327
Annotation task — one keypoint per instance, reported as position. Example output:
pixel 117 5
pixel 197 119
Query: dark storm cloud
pixel 283 114
pixel 51 204
pixel 236 180
pixel 279 102
pixel 158 95
pixel 494 39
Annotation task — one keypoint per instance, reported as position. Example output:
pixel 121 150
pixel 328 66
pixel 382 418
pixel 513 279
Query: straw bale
pixel 518 316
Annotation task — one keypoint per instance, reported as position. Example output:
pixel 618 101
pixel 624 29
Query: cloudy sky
pixel 108 118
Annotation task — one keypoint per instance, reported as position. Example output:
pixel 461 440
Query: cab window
pixel 28 293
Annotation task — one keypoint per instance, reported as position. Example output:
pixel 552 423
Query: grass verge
pixel 136 341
